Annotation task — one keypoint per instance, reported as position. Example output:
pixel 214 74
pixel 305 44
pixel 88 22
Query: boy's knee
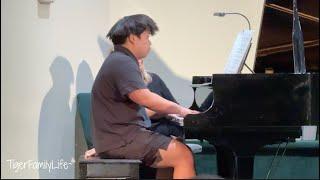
pixel 185 155
pixel 180 152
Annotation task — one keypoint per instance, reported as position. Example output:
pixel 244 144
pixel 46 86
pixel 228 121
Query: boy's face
pixel 142 44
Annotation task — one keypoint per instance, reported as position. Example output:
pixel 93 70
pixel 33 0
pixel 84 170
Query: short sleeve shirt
pixel 115 118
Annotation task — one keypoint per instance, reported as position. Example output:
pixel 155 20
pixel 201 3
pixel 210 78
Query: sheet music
pixel 239 52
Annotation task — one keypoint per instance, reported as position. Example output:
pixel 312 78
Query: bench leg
pixel 82 171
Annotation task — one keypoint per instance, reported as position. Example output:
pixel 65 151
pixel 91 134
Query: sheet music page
pixel 239 52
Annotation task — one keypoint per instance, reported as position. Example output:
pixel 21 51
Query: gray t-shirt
pixel 115 118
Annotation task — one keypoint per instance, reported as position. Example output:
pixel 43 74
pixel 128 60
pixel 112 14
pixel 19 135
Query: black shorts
pixel 167 128
pixel 144 147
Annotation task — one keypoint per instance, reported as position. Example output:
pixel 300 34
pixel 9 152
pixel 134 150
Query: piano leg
pixel 233 166
pixel 244 167
pixel 225 162
pixel 235 156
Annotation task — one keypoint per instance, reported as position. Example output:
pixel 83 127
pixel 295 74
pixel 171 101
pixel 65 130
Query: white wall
pixel 47 60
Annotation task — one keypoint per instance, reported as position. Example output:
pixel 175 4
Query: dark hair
pixel 134 24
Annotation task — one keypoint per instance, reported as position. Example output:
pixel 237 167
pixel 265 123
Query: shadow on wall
pixel 57 120
pixel 56 125
pixel 179 87
pixel 84 82
pixel 84 79
pixel 105 47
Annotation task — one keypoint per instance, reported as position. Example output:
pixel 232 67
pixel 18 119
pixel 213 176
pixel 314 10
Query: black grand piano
pixel 244 112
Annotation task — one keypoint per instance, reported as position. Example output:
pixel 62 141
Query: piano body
pixel 244 112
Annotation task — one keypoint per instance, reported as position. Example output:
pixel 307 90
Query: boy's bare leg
pixel 180 158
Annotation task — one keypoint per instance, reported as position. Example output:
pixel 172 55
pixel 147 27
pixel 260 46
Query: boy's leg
pixel 179 157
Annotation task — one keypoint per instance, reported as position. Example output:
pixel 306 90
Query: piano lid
pixel 275 41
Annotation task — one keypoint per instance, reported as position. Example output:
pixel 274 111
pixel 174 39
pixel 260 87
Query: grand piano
pixel 241 113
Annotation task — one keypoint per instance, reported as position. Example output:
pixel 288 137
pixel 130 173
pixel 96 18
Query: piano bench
pixel 96 167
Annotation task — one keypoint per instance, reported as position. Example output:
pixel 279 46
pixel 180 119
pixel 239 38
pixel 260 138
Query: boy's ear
pixel 132 38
